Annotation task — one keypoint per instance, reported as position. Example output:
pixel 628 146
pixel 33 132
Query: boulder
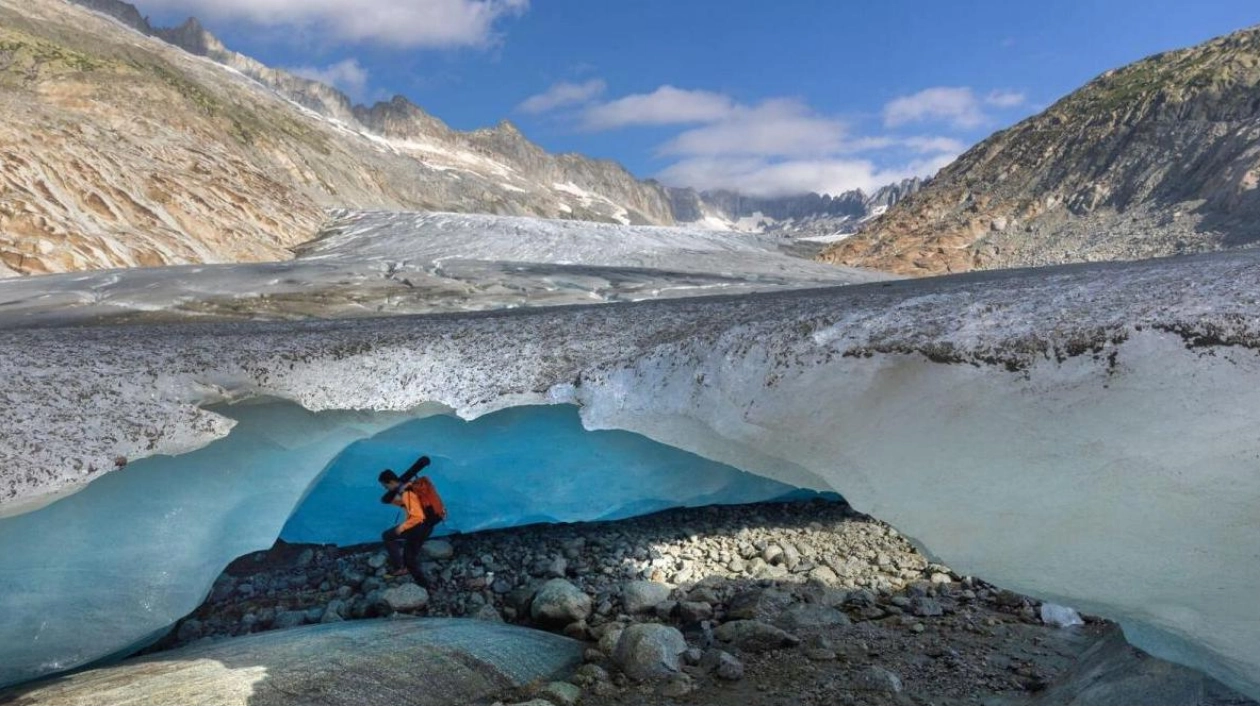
pixel 405 597
pixel 807 615
pixel 641 596
pixel 649 651
pixel 441 661
pixel 754 636
pixel 559 603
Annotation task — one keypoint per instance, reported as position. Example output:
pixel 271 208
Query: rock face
pixel 233 170
pixel 435 661
pixel 1156 158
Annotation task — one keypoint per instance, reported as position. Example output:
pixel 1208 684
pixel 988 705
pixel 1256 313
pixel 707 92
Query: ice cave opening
pixel 107 570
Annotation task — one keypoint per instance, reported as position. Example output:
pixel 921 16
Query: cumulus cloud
pixel 434 24
pixel 1005 99
pixel 769 178
pixel 957 106
pixel 777 127
pixel 562 94
pixel 666 105
pixel 776 147
pixel 347 75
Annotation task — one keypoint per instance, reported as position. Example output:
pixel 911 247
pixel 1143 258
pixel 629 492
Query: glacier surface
pixel 380 263
pixel 1089 434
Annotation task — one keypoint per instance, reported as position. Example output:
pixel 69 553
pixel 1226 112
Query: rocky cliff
pixel 242 160
pixel 1156 158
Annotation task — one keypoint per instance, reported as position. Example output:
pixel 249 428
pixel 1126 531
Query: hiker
pixel 424 509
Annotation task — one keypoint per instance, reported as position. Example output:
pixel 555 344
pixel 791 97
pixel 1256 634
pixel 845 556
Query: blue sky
pixel 767 97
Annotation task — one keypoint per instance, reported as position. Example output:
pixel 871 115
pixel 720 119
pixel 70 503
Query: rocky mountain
pixel 1159 157
pixel 242 161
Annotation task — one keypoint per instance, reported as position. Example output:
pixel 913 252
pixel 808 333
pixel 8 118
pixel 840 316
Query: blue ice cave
pixel 111 567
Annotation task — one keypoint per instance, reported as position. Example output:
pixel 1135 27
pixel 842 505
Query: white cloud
pixel 776 147
pixel 1005 99
pixel 956 106
pixel 767 178
pixel 777 127
pixel 562 94
pixel 347 75
pixel 436 24
pixel 664 106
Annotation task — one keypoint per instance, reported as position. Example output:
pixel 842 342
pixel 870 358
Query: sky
pixel 769 98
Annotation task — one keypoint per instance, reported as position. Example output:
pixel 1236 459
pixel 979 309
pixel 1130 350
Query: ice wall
pixel 513 467
pixel 1088 433
pixel 106 568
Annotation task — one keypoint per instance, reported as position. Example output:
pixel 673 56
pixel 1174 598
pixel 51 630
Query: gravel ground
pixel 793 603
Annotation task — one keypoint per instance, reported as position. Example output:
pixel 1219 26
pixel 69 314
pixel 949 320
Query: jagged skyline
pixel 769 101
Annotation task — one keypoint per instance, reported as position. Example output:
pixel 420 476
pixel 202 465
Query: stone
pixel 693 611
pixel 405 597
pixel 608 641
pixel 577 631
pixel 439 661
pixel 809 615
pixel 305 558
pixel 589 674
pixel 289 619
pixel 649 651
pixel 924 606
pixel 378 560
pixel 559 603
pixel 754 636
pixel 692 656
pixel 190 630
pixel 562 693
pixel 641 596
pixel 558 567
pixel 487 613
pixel 678 685
pixel 823 574
pixel 722 664
pixel 759 604
pixel 438 550
pixel 941 578
pixel 791 557
pixel 877 679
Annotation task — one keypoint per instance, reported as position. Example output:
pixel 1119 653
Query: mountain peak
pixel 1143 161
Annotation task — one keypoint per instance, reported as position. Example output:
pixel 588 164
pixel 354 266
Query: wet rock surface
pixel 698 606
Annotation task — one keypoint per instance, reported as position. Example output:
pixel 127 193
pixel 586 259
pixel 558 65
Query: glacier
pixel 113 566
pixel 532 464
pixel 383 263
pixel 1088 434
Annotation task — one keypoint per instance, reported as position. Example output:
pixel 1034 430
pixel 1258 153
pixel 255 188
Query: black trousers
pixel 404 547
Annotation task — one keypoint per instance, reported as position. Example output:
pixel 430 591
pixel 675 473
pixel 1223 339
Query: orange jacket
pixel 413 499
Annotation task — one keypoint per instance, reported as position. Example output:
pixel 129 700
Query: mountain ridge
pixel 1159 157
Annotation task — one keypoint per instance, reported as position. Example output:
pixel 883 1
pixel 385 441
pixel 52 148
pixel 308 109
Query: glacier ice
pixel 373 263
pixel 108 567
pixel 1061 616
pixel 1088 434
pixel 516 466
